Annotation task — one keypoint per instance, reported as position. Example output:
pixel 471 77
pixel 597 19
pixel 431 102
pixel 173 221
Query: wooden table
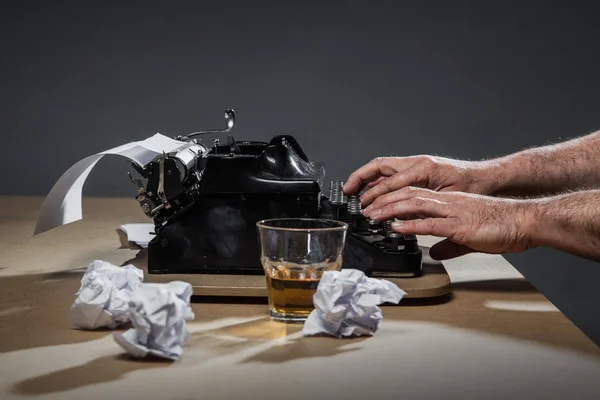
pixel 497 337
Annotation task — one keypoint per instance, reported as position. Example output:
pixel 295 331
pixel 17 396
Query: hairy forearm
pixel 569 222
pixel 571 165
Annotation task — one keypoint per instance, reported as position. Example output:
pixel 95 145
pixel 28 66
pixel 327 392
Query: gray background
pixel 465 80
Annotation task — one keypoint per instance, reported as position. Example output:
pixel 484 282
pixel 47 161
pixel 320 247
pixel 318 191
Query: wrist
pixel 492 177
pixel 543 222
pixel 568 222
pixel 531 223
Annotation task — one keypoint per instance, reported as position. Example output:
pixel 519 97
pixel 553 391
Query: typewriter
pixel 205 202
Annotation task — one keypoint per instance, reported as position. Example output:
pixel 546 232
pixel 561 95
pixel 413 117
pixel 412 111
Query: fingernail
pixel 367 210
pixel 375 214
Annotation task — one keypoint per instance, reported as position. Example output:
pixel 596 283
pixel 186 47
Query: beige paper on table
pixel 63 203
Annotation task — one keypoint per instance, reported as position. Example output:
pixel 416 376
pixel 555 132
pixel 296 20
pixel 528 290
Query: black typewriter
pixel 205 202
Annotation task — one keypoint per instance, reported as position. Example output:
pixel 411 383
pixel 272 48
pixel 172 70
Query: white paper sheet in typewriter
pixel 63 203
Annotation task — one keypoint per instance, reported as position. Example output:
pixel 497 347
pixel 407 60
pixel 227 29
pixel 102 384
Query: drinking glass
pixel 294 253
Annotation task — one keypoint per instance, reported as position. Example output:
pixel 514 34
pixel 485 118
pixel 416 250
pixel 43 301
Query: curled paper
pixel 63 203
pixel 158 313
pixel 346 303
pixel 102 299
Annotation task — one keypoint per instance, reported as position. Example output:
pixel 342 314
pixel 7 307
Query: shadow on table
pixel 214 344
pixel 36 311
pixel 512 285
pixel 305 347
pixel 125 243
pixel 242 336
pixel 102 370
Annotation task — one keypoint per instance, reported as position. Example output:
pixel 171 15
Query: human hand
pixel 469 222
pixel 387 174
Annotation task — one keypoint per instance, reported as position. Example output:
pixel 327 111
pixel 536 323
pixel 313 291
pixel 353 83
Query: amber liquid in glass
pixel 291 288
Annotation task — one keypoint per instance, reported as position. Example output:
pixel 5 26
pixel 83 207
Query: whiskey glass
pixel 294 253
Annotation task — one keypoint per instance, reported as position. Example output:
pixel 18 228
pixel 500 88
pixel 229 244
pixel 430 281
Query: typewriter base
pixel 433 282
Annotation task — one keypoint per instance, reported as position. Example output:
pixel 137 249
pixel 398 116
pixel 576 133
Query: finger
pixel 401 195
pixel 374 183
pixel 417 207
pixel 441 227
pixel 447 249
pixel 400 180
pixel 376 168
pixel 364 174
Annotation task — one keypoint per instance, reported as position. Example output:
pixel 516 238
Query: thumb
pixel 447 249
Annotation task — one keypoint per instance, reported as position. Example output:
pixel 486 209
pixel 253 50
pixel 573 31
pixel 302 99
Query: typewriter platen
pixel 205 202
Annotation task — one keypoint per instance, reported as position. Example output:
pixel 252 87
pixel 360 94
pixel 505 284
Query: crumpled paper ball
pixel 103 295
pixel 158 313
pixel 346 303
